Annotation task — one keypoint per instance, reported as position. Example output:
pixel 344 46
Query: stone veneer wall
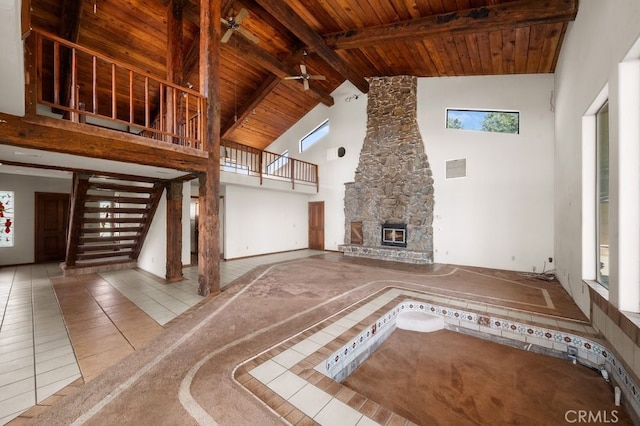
pixel 393 181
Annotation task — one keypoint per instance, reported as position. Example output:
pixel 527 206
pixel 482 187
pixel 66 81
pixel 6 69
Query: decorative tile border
pixel 357 348
pixel 342 362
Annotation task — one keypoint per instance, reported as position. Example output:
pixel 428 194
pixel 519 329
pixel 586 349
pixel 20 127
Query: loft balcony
pixel 84 103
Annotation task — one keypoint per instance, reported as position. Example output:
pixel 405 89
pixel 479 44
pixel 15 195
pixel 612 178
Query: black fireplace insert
pixel 394 234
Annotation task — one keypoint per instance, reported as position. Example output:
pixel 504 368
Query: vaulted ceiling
pixel 343 40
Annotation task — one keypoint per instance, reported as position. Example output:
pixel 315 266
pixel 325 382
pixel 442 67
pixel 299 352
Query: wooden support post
pixel 79 193
pixel 31 77
pixel 209 200
pixel 174 231
pixel 174 63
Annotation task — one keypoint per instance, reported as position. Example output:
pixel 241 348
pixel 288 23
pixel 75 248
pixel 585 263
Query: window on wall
pixel 602 195
pixel 314 136
pixel 484 120
pixel 6 218
pixel 278 163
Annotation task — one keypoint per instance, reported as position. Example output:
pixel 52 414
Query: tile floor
pixel 57 331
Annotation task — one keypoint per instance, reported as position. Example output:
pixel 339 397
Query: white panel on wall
pixel 456 168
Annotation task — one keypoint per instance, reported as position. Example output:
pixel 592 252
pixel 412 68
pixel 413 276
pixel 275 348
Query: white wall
pixel 259 221
pixel 25 187
pixel 502 210
pixel 347 121
pixel 153 256
pixel 12 63
pixel 501 214
pixel 595 44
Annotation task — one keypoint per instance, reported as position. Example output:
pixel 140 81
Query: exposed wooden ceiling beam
pixel 262 92
pixel 66 137
pixel 274 66
pixel 503 16
pixel 287 16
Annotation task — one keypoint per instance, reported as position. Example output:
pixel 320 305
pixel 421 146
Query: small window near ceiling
pixel 314 136
pixel 7 203
pixel 278 163
pixel 484 120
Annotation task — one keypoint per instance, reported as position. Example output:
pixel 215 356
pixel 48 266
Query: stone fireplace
pixel 389 205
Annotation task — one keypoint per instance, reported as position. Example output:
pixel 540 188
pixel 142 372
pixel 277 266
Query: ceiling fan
pixel 304 75
pixel 233 24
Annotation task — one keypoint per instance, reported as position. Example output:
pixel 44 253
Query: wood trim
pixel 55 135
pixel 493 18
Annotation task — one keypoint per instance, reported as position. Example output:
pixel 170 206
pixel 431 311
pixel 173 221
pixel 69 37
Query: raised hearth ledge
pixel 394 254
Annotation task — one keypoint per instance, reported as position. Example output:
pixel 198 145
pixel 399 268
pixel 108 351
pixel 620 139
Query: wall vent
pixel 456 168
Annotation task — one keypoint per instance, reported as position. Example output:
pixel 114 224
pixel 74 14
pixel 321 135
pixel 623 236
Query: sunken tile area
pixel 296 377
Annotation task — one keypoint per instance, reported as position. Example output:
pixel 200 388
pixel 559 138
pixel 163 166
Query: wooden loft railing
pixel 81 83
pixel 109 90
pixel 243 159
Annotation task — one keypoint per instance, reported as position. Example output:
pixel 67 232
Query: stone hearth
pixel 393 181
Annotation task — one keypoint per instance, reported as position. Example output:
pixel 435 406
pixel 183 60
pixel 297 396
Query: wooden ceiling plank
pixel 452 53
pixel 463 54
pixel 283 13
pixel 274 66
pixel 508 51
pixel 553 34
pixel 437 6
pixel 247 109
pixel 536 40
pixel 495 41
pixel 503 16
pixel 422 6
pixel 522 49
pixel 438 59
pixel 558 50
pixel 484 47
pixel 474 53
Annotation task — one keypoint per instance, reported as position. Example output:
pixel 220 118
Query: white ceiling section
pixel 11 59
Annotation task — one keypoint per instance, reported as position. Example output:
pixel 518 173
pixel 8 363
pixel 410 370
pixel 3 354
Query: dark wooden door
pixel 52 216
pixel 316 225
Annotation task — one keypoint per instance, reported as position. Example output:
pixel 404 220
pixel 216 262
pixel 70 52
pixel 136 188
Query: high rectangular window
pixel 484 120
pixel 314 136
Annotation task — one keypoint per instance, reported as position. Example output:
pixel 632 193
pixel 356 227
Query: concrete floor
pixel 250 353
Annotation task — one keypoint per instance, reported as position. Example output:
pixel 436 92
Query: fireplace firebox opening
pixel 394 234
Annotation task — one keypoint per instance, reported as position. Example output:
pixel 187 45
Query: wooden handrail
pixel 117 92
pixel 248 160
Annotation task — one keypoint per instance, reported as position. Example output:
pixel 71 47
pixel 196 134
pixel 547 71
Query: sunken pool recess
pixel 300 369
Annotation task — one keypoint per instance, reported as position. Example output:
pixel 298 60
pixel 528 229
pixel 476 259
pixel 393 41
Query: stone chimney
pixel 393 185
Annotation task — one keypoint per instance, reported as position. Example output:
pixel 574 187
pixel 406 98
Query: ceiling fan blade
pixel 241 15
pixel 317 77
pixel 305 82
pixel 294 77
pixel 224 21
pixel 303 69
pixel 248 35
pixel 227 36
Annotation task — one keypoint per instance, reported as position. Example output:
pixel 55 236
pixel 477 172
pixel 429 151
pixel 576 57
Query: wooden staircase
pixel 109 220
